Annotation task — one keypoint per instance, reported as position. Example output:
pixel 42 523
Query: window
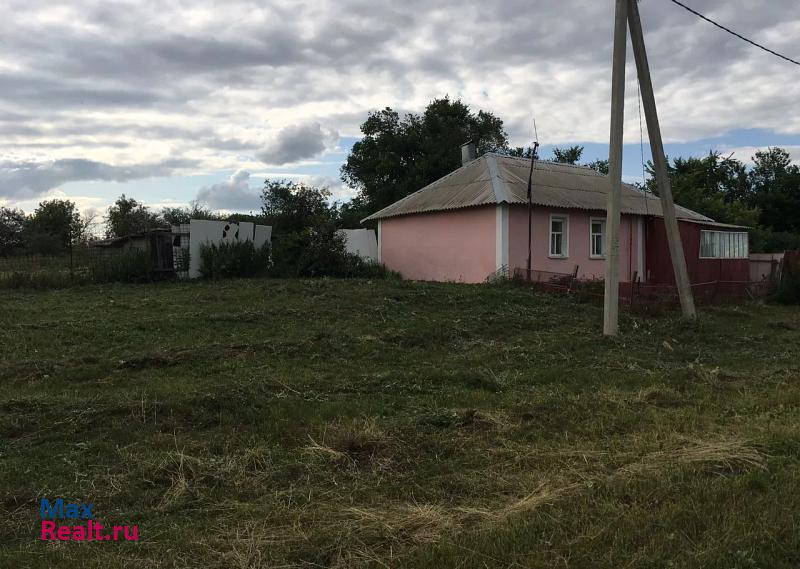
pixel 724 245
pixel 559 240
pixel 597 238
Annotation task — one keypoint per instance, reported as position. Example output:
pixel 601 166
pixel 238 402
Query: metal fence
pixel 80 264
pixel 638 293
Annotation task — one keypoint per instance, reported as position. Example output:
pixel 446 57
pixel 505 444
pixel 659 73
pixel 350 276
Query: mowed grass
pixel 268 423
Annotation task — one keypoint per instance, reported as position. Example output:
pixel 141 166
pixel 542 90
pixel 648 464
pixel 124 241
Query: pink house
pixel 473 223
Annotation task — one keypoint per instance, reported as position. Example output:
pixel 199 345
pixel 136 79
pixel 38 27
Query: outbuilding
pixel 473 223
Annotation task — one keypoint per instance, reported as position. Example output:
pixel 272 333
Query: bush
pixel 314 252
pixel 788 290
pixel 236 259
pixel 767 241
pixel 320 252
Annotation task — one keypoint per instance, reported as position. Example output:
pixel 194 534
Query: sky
pixel 198 100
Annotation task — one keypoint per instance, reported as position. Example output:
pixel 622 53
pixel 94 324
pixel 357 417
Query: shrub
pixel 313 252
pixel 788 290
pixel 767 241
pixel 236 259
pixel 320 252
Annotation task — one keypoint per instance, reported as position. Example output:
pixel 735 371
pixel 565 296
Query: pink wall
pixel 456 245
pixel 579 243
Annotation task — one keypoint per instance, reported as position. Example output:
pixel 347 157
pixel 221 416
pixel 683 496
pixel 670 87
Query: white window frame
pixel 564 219
pixel 602 221
pixel 736 245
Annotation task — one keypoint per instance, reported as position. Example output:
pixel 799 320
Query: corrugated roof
pixel 494 178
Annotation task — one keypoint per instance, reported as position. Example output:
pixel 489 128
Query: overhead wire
pixel 730 31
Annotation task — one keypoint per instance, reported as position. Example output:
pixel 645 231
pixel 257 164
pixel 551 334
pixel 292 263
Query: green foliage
pixel 179 215
pixel 788 291
pixel 567 155
pixel 713 186
pixel 775 190
pixel 320 252
pixel 599 166
pixel 767 241
pixel 54 226
pixel 233 259
pixel 398 156
pixel 293 207
pixel 128 216
pixel 12 225
pixel 312 252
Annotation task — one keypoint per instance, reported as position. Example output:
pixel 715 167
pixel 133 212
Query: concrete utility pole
pixel 660 162
pixel 611 304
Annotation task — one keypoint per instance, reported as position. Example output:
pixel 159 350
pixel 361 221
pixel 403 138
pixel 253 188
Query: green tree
pixel 521 151
pixel 292 207
pixel 775 190
pixel 12 228
pixel 398 156
pixel 55 226
pixel 712 185
pixel 179 215
pixel 128 216
pixel 567 155
pixel 599 166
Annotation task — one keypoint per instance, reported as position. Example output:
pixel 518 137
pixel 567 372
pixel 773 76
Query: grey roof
pixel 494 178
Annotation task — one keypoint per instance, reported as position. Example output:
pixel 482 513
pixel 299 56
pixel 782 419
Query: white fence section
pixel 765 266
pixel 361 242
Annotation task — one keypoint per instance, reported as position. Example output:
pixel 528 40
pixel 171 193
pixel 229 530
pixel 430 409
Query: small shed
pixel 158 242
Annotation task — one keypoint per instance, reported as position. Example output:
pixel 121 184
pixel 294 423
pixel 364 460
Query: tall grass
pixel 237 259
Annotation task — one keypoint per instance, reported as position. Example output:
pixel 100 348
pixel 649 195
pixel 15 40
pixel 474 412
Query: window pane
pixel 556 227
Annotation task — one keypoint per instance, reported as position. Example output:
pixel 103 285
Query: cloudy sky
pixel 171 102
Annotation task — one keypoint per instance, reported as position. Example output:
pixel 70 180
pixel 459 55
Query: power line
pixel 730 31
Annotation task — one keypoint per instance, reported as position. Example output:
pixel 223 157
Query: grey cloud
pixel 298 142
pixel 236 193
pixel 218 72
pixel 28 179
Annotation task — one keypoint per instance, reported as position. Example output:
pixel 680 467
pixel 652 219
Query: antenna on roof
pixel 534 156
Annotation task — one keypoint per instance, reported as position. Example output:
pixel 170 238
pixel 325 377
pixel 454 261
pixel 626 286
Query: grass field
pixel 390 424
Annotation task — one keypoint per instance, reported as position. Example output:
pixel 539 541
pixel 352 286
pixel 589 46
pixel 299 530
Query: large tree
pixel 567 155
pixel 12 227
pixel 775 190
pixel 54 226
pixel 128 216
pixel 398 156
pixel 292 207
pixel 712 185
